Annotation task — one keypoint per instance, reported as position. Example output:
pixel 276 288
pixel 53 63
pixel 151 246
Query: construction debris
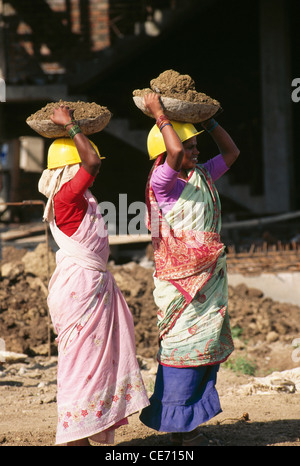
pixel 259 321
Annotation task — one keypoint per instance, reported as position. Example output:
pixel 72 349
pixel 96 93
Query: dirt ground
pixel 253 414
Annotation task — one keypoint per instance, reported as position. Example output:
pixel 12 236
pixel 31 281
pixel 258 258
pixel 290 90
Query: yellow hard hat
pixel 155 141
pixel 64 152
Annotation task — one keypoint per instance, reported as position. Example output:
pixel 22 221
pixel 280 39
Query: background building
pixel 244 54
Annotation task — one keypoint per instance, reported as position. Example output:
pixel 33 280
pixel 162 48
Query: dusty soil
pixel 172 84
pixel 264 330
pixel 81 109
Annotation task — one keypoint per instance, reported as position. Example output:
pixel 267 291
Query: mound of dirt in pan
pixel 172 84
pixel 257 321
pixel 91 118
pixel 180 99
pixel 82 110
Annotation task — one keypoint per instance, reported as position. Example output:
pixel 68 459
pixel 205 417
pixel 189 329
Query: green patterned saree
pixel 190 275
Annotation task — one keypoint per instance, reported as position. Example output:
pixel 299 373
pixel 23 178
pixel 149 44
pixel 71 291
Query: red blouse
pixel 70 205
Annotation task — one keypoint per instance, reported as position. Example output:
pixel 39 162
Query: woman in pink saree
pixel 98 378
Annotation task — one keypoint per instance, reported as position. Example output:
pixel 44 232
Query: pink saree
pixel 98 378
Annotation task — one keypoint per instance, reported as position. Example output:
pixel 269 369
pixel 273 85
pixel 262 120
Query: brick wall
pixel 43 37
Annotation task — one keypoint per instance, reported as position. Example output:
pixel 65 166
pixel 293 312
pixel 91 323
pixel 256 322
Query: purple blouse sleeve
pixel 167 186
pixel 164 178
pixel 216 167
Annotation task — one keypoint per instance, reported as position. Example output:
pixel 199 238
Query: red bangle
pixel 161 119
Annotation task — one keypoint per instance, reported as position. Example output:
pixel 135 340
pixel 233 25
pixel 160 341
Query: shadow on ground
pixel 238 434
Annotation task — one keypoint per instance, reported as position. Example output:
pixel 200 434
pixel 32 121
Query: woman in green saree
pixel 190 277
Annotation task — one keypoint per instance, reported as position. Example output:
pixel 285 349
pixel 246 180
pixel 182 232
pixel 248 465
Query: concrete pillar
pixel 2 69
pixel 276 105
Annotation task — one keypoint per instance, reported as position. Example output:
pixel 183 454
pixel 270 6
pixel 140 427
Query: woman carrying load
pixel 190 278
pixel 98 379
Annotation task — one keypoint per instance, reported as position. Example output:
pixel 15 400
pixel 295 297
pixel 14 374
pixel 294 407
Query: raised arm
pixel 173 144
pixel 227 147
pixel 91 162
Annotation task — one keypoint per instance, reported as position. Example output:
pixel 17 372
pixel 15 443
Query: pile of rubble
pixel 24 320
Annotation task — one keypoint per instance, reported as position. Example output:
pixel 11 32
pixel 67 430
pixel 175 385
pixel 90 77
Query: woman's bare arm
pixel 173 144
pixel 227 147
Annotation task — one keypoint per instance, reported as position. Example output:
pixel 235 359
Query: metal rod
pixel 262 221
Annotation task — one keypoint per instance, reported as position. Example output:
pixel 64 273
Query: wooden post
pixel 2 45
pixel 276 105
pixel 2 68
pixel 15 172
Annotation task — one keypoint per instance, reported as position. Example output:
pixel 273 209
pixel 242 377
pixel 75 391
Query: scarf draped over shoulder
pixel 185 257
pixel 190 274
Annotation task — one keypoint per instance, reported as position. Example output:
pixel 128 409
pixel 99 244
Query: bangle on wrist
pixel 73 131
pixel 69 123
pixel 211 126
pixel 165 124
pixel 161 120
